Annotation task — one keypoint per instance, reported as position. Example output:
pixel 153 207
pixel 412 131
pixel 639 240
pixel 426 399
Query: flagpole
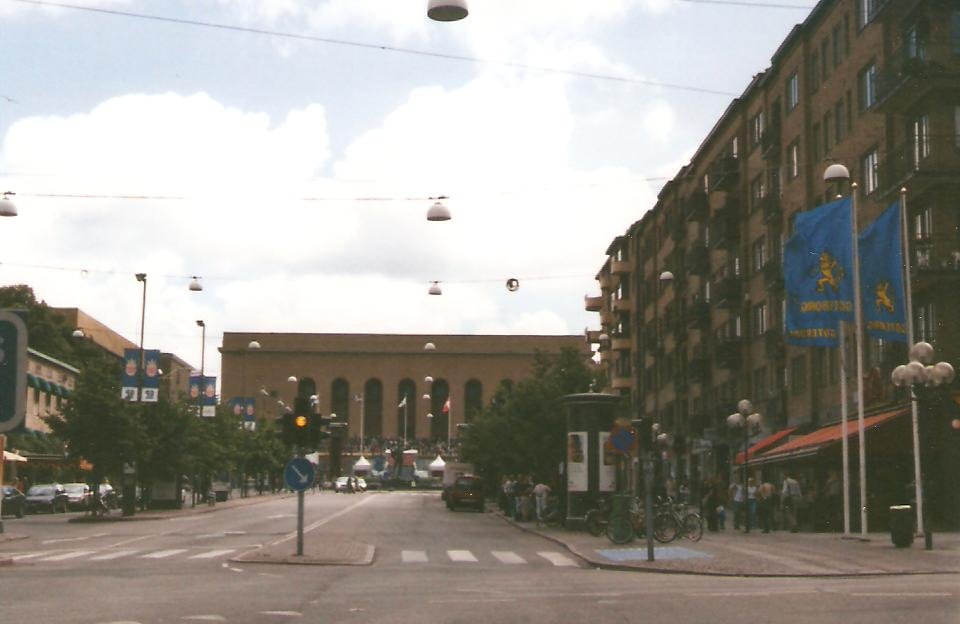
pixel 908 296
pixel 858 320
pixel 844 413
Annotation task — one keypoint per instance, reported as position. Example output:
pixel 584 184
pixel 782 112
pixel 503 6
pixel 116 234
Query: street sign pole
pixel 299 474
pixel 300 523
pixel 648 501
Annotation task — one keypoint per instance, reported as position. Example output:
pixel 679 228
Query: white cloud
pixel 658 121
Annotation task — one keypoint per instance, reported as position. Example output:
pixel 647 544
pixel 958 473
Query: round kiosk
pixel 588 472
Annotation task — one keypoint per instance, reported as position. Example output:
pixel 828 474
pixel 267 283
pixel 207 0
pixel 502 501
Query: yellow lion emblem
pixel 830 273
pixel 883 297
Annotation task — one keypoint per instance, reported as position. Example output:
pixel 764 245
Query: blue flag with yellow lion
pixel 818 275
pixel 881 277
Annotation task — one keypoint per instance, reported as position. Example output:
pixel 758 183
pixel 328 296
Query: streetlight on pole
pixel 748 421
pixel 924 380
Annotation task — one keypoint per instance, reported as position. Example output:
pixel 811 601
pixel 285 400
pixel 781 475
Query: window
pixel 869 167
pixel 827 133
pixel 813 71
pixel 757 191
pixel 793 160
pixel 839 128
pixel 798 374
pixel 956 126
pixel 849 111
pixel 868 10
pixel 792 89
pixel 825 59
pixel 920 135
pixel 758 319
pixel 955 31
pixel 815 142
pixel 914 46
pixel 923 224
pixel 758 254
pixel 706 183
pixel 846 34
pixel 925 323
pixel 756 129
pixel 735 147
pixel 868 87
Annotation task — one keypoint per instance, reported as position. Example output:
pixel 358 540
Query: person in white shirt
pixel 540 493
pixel 790 497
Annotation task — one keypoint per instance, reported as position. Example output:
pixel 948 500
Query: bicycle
pixel 552 515
pixel 679 521
pixel 596 519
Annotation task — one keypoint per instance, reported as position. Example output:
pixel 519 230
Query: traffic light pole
pixel 300 519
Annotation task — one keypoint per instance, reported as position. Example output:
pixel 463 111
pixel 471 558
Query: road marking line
pixel 72 539
pixel 320 523
pixel 68 555
pixel 207 618
pixel 461 556
pixel 508 556
pixel 30 555
pixel 283 613
pixel 901 594
pixel 113 555
pixel 557 559
pixel 413 556
pixel 213 553
pixel 160 554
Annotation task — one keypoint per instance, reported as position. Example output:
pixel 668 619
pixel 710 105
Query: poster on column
pixel 209 398
pixel 608 464
pixel 129 388
pixel 577 452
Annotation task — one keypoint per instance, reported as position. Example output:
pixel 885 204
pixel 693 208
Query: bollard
pixel 901 525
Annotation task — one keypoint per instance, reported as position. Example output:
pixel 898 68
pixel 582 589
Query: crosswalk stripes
pixel 113 555
pixel 53 556
pixel 210 554
pixel 505 557
pixel 67 555
pixel 163 554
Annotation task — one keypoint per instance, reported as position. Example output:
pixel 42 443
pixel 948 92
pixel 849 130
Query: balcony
pixel 621 382
pixel 695 207
pixel 606 317
pixel 773 275
pixel 933 264
pixel 698 259
pixel 593 304
pixel 607 281
pixel 912 74
pixel 773 344
pixel 620 267
pixel 724 173
pixel 729 292
pixel 592 336
pixel 772 210
pixel 620 342
pixel 621 305
pixel 606 355
pixel 698 315
pixel 677 228
pixel 728 353
pixel 770 143
pixel 920 165
pixel 724 232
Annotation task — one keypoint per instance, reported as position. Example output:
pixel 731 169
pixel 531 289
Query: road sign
pixel 622 440
pixel 13 370
pixel 299 474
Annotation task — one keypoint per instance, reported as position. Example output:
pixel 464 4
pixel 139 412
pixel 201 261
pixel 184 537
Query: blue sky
pixel 273 148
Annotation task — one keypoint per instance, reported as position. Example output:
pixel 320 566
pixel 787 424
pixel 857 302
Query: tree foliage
pixel 522 431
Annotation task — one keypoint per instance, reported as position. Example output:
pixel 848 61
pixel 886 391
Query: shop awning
pixel 13 457
pixel 812 443
pixel 764 444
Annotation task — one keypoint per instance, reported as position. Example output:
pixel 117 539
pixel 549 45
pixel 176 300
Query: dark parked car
pixel 46 497
pixel 14 501
pixel 466 491
pixel 79 495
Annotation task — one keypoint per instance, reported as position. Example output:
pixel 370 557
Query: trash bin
pixel 901 525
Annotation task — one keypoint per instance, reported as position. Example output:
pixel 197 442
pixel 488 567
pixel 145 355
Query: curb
pixel 251 556
pixel 619 567
pixel 176 513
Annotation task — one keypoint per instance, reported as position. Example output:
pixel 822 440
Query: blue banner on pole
pixel 129 378
pixel 209 398
pixel 881 277
pixel 818 275
pixel 151 376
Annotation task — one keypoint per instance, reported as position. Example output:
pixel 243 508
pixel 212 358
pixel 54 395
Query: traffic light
pixel 302 428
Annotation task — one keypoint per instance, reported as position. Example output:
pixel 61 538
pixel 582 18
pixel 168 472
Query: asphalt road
pixel 430 565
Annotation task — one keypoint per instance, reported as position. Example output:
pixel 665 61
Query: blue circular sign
pixel 298 474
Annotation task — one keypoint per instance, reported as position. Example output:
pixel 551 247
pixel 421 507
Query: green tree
pixel 523 429
pixel 48 331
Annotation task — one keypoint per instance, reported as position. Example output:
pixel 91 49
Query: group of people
pixel 755 506
pixel 523 498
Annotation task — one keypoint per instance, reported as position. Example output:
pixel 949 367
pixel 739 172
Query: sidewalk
pixel 734 553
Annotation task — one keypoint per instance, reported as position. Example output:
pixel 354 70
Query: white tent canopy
pixel 362 465
pixel 437 464
pixel 13 457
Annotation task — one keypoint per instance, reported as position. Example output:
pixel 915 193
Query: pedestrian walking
pixel 540 493
pixel 751 509
pixel 737 496
pixel 790 499
pixel 765 494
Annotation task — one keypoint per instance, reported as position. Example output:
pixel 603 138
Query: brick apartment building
pixel 871 84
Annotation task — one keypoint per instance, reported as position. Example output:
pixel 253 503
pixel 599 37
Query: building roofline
pixel 52 360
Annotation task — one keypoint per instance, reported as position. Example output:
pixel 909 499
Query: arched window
pixel 407 389
pixel 439 393
pixel 340 400
pixel 373 409
pixel 306 387
pixel 473 399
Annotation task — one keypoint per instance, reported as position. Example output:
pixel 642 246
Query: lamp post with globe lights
pixel 927 383
pixel 747 421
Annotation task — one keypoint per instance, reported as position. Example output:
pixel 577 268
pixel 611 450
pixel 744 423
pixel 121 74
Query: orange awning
pixel 812 442
pixel 764 444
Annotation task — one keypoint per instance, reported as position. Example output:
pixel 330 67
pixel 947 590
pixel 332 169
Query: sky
pixel 286 152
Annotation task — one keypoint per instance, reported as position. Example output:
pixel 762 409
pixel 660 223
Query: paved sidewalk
pixel 734 553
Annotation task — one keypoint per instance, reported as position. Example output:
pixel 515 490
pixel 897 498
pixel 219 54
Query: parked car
pixel 341 485
pixel 468 491
pixel 360 484
pixel 14 502
pixel 79 495
pixel 46 497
